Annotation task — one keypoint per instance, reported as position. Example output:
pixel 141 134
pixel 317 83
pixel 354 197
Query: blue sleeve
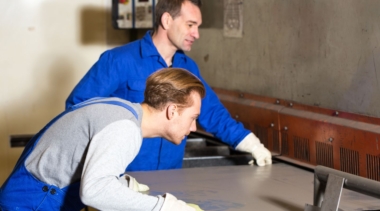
pixel 100 81
pixel 215 119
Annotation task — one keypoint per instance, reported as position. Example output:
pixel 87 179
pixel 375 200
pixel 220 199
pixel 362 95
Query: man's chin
pixel 176 142
pixel 188 48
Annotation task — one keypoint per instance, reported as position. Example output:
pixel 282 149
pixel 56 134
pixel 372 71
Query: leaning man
pixel 79 158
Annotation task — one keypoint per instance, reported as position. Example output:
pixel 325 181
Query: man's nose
pixel 196 33
pixel 193 126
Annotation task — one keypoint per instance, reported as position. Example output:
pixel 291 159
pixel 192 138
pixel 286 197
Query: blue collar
pixel 148 49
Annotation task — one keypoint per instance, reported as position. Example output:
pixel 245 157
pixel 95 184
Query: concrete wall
pixel 324 53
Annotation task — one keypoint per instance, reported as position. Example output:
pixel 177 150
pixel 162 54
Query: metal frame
pixel 328 186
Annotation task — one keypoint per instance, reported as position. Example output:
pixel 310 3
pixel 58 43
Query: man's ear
pixel 171 110
pixel 166 20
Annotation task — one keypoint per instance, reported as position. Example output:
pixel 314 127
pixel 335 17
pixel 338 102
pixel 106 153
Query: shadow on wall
pixel 212 12
pixel 59 83
pixel 96 28
pixel 5 168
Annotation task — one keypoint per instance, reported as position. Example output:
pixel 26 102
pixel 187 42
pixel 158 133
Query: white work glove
pixel 171 203
pixel 251 144
pixel 131 183
pixel 196 207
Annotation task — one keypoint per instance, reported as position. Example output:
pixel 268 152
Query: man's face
pixel 184 28
pixel 184 121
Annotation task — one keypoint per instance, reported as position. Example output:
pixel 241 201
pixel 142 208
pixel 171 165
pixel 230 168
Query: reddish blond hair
pixel 172 85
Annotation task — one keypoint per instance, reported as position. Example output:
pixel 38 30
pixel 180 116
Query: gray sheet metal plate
pixel 240 188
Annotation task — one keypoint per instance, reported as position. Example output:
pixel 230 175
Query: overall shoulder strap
pixel 111 102
pixel 118 103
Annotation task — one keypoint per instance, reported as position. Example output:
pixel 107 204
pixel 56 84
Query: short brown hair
pixel 171 85
pixel 173 7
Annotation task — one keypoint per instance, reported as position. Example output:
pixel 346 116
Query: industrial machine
pixel 309 135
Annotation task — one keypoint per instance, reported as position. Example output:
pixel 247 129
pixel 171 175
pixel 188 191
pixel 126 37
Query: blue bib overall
pixel 22 191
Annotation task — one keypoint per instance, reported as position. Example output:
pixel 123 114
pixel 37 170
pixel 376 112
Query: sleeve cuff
pixel 249 143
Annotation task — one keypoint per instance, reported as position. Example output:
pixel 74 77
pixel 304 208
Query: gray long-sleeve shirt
pixel 93 144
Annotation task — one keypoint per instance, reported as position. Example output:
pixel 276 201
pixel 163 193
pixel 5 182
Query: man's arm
pixel 216 119
pixel 110 151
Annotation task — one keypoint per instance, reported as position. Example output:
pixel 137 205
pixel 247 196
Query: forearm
pixel 110 151
pixel 110 194
pixel 216 119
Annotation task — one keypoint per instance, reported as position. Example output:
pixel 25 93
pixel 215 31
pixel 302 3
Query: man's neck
pixel 151 124
pixel 164 47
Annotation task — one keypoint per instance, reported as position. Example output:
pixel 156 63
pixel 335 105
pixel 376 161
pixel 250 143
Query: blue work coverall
pixel 122 72
pixel 22 191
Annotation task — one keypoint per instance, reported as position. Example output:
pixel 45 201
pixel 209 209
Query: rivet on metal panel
pixel 241 95
pixel 271 124
pixel 331 139
pixel 236 116
pixel 277 101
pixel 336 113
pixel 291 104
pixel 285 128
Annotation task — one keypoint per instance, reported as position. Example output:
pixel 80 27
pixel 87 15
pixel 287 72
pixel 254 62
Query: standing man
pixel 80 157
pixel 122 72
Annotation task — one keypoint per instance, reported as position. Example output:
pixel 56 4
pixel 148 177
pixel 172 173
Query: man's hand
pixel 261 155
pixel 171 203
pixel 196 207
pixel 133 184
pixel 252 145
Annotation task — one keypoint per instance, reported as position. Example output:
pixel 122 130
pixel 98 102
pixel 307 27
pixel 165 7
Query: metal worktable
pixel 277 187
